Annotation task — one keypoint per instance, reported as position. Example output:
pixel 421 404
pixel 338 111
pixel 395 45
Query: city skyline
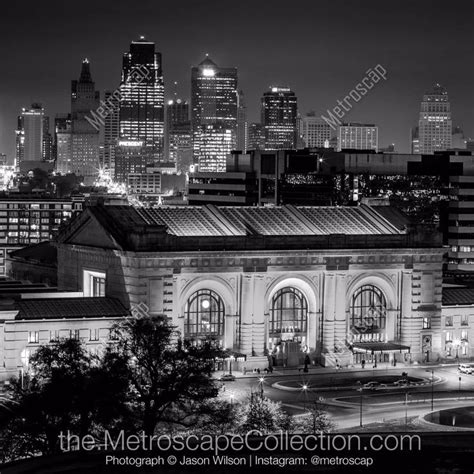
pixel 308 49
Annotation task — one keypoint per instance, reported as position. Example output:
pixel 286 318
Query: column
pixel 340 317
pixel 246 314
pixel 258 326
pixel 329 308
pixel 406 316
pixel 312 334
pixel 229 331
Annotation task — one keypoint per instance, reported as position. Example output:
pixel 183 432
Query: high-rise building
pixel 29 135
pixel 358 136
pixel 242 124
pixel 458 141
pixel 141 117
pixel 63 143
pixel 256 136
pixel 415 140
pixel 27 220
pixel 129 158
pixel 215 143
pixel 84 136
pixel 177 112
pixel 315 132
pixel 213 112
pixel 111 133
pixel 435 125
pixel 47 141
pixel 178 134
pixel 279 111
pixel 19 142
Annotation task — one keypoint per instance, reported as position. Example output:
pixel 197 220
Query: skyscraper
pixel 29 135
pixel 19 142
pixel 111 133
pixel 256 134
pixel 279 111
pixel 358 136
pixel 213 113
pixel 178 134
pixel 242 124
pixel 215 143
pixel 315 131
pixel 47 141
pixel 415 140
pixel 63 143
pixel 458 141
pixel 141 119
pixel 435 125
pixel 84 137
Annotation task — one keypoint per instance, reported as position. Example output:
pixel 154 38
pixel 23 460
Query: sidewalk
pixel 318 370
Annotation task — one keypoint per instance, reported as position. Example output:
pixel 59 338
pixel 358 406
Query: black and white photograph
pixel 237 236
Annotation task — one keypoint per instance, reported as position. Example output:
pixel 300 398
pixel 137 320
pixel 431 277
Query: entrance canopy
pixel 381 347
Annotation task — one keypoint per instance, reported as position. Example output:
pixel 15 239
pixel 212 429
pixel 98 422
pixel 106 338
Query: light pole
pixel 406 407
pixel 304 388
pixel 359 383
pixel 432 388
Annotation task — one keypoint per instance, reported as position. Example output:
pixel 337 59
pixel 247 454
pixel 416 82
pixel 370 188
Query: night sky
pixel 320 48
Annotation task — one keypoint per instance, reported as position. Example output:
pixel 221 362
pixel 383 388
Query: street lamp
pixel 406 407
pixel 261 380
pixel 359 383
pixel 432 388
pixel 304 388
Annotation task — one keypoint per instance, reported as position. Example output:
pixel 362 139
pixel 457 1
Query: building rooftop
pixel 458 296
pixel 44 253
pixel 278 221
pixel 69 308
pixel 226 227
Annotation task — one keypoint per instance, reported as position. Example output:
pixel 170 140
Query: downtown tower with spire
pixel 84 137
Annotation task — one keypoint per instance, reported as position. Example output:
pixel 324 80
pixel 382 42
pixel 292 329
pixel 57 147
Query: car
pixel 465 369
pixel 227 378
pixel 373 386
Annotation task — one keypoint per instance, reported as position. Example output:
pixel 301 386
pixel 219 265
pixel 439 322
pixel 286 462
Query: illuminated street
pixel 338 394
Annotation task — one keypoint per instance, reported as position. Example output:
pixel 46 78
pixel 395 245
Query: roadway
pixel 338 393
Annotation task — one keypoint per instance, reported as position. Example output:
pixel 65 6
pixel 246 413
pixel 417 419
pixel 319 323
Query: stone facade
pixel 247 281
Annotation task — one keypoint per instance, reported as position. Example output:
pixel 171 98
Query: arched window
pixel 368 311
pixel 289 314
pixel 204 316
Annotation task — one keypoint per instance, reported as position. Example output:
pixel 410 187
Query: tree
pixel 39 179
pixel 314 421
pixel 170 378
pixel 263 415
pixel 66 185
pixel 67 390
pixel 214 416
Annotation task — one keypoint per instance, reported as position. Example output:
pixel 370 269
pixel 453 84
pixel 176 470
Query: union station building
pixel 273 285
